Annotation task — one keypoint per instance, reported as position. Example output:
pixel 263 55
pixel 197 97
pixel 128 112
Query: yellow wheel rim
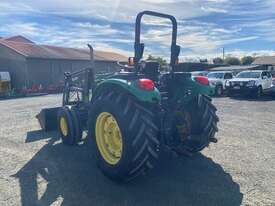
pixel 64 126
pixel 108 138
pixel 185 124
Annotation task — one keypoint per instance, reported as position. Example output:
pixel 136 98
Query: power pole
pixel 223 53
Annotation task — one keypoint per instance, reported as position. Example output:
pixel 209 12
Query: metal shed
pixel 267 62
pixel 33 64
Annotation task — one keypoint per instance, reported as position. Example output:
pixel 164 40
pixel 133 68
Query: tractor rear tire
pixel 139 135
pixel 69 126
pixel 204 124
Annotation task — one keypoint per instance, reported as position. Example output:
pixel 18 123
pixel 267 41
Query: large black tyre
pixel 230 93
pixel 203 124
pixel 139 133
pixel 258 93
pixel 71 120
pixel 219 90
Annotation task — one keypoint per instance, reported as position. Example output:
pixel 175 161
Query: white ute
pixel 254 83
pixel 218 81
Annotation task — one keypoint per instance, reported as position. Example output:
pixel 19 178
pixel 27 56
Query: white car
pixel 218 80
pixel 254 82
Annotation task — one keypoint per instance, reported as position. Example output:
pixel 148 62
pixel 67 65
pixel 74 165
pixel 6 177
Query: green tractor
pixel 132 115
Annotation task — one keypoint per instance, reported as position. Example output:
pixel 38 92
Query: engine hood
pixel 242 79
pixel 214 80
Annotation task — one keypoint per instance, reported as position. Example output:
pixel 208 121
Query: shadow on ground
pixel 71 175
pixel 36 135
pixel 264 98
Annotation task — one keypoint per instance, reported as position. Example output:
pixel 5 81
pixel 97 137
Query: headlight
pixel 227 83
pixel 251 83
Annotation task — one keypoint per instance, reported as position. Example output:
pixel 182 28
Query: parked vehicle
pixel 5 84
pixel 253 83
pixel 218 80
pixel 199 73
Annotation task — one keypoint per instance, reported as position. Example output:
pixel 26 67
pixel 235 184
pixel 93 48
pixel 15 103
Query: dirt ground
pixel 36 169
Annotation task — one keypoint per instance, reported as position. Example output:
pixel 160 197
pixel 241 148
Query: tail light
pixel 146 84
pixel 202 80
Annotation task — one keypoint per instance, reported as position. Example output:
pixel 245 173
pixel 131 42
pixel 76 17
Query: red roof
pixel 19 39
pixel 31 50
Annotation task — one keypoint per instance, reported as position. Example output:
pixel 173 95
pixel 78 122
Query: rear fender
pixel 132 87
pixel 199 88
pixel 190 89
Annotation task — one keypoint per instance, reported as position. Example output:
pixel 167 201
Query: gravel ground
pixel 36 169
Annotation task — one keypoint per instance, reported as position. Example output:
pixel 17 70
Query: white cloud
pixel 115 10
pixel 108 47
pixel 76 35
pixel 190 57
pixel 213 10
pixel 198 38
pixel 95 28
pixel 264 28
pixel 7 8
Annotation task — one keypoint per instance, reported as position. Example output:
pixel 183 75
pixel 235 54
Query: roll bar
pixel 139 47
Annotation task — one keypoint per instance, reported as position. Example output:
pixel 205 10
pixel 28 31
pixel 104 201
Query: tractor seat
pixel 151 70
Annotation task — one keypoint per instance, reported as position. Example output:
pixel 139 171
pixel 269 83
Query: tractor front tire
pixel 69 126
pixel 125 134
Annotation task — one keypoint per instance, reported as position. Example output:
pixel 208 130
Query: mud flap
pixel 47 119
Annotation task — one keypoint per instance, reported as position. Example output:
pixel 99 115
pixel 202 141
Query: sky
pixel 242 27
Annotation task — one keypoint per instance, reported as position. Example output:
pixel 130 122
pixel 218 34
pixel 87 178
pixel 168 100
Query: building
pixel 193 66
pixel 33 64
pixel 267 62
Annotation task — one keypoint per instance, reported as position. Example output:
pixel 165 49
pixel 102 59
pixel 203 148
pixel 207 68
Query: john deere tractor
pixel 132 115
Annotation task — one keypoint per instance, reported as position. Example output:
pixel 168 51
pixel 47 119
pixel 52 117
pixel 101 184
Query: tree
pixel 218 60
pixel 247 60
pixel 160 60
pixel 203 61
pixel 232 61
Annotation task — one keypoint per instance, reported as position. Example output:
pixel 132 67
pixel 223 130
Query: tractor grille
pixel 241 84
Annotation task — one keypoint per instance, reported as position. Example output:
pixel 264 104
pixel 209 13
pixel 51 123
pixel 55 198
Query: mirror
pixel 177 50
pixel 139 49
